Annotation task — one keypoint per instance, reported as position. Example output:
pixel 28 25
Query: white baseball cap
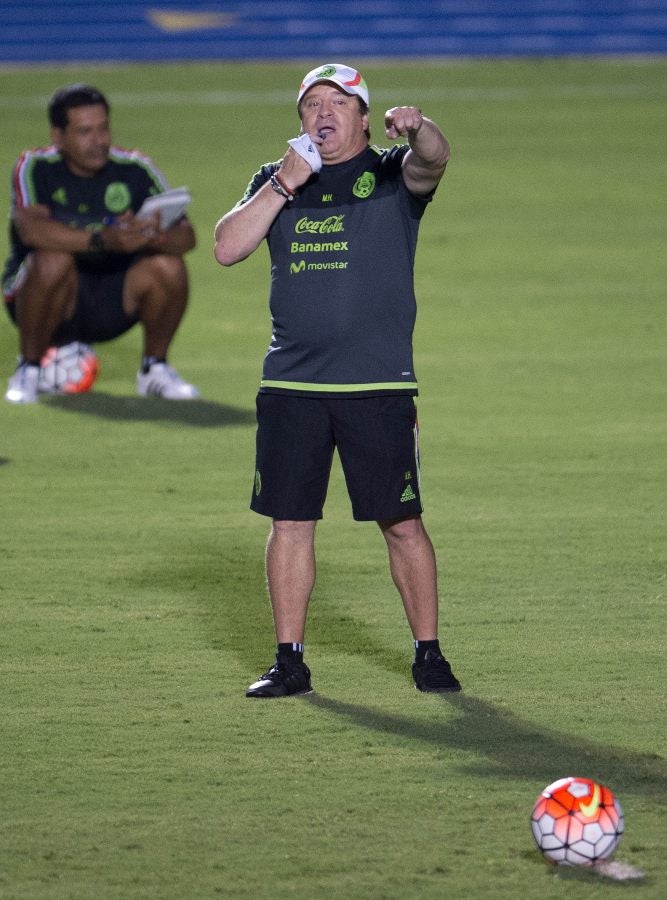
pixel 346 78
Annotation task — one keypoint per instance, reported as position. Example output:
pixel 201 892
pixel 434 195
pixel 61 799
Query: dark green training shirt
pixel 41 177
pixel 342 293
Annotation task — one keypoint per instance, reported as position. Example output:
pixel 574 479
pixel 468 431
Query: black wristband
pixel 96 242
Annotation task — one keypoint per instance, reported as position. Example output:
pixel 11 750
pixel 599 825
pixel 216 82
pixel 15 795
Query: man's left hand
pixel 129 234
pixel 402 121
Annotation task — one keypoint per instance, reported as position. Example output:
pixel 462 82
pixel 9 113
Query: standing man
pixel 341 222
pixel 82 265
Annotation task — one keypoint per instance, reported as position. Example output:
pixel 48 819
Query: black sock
pixel 422 646
pixel 291 653
pixel 148 361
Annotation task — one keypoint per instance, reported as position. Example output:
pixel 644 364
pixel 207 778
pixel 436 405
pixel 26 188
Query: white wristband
pixel 307 150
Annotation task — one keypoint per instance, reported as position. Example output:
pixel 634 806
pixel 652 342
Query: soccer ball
pixel 70 369
pixel 577 822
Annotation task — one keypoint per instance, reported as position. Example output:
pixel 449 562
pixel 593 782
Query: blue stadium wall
pixel 171 30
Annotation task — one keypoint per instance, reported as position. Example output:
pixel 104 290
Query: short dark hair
pixel 70 97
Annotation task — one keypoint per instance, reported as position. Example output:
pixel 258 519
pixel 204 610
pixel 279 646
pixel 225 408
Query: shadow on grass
pixel 513 748
pixel 501 743
pixel 195 413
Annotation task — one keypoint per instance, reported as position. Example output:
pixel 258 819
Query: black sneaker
pixel 434 674
pixel 281 680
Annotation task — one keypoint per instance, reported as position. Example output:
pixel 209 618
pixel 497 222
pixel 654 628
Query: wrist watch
pixel 96 243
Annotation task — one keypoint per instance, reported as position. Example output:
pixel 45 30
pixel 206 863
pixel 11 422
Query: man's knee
pixel 293 531
pixel 159 277
pixel 49 288
pixel 407 528
pixel 161 268
pixel 50 266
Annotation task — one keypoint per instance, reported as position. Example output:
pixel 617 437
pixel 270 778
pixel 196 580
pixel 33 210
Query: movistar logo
pixel 408 494
pixel 258 483
pixel 330 225
pixel 60 196
pixel 302 266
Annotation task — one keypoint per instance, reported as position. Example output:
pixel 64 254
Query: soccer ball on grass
pixel 577 822
pixel 70 369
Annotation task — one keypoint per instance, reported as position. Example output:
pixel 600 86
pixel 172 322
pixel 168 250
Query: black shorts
pixel 376 439
pixel 99 314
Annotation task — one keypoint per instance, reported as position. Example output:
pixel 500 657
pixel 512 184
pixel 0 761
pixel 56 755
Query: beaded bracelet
pixel 281 188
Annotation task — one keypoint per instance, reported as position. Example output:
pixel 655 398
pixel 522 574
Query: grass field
pixel 132 600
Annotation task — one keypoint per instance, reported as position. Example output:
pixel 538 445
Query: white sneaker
pixel 23 384
pixel 163 381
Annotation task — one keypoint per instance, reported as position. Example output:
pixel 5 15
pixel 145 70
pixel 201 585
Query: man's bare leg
pixel 413 568
pixel 290 575
pixel 46 298
pixel 156 291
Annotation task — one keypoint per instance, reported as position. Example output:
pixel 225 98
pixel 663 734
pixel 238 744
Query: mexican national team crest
pixel 117 197
pixel 364 185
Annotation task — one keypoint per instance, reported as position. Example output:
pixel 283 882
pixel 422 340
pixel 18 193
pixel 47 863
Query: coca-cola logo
pixel 330 225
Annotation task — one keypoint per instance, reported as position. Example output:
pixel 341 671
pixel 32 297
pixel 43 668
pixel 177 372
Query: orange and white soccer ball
pixel 70 369
pixel 577 822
